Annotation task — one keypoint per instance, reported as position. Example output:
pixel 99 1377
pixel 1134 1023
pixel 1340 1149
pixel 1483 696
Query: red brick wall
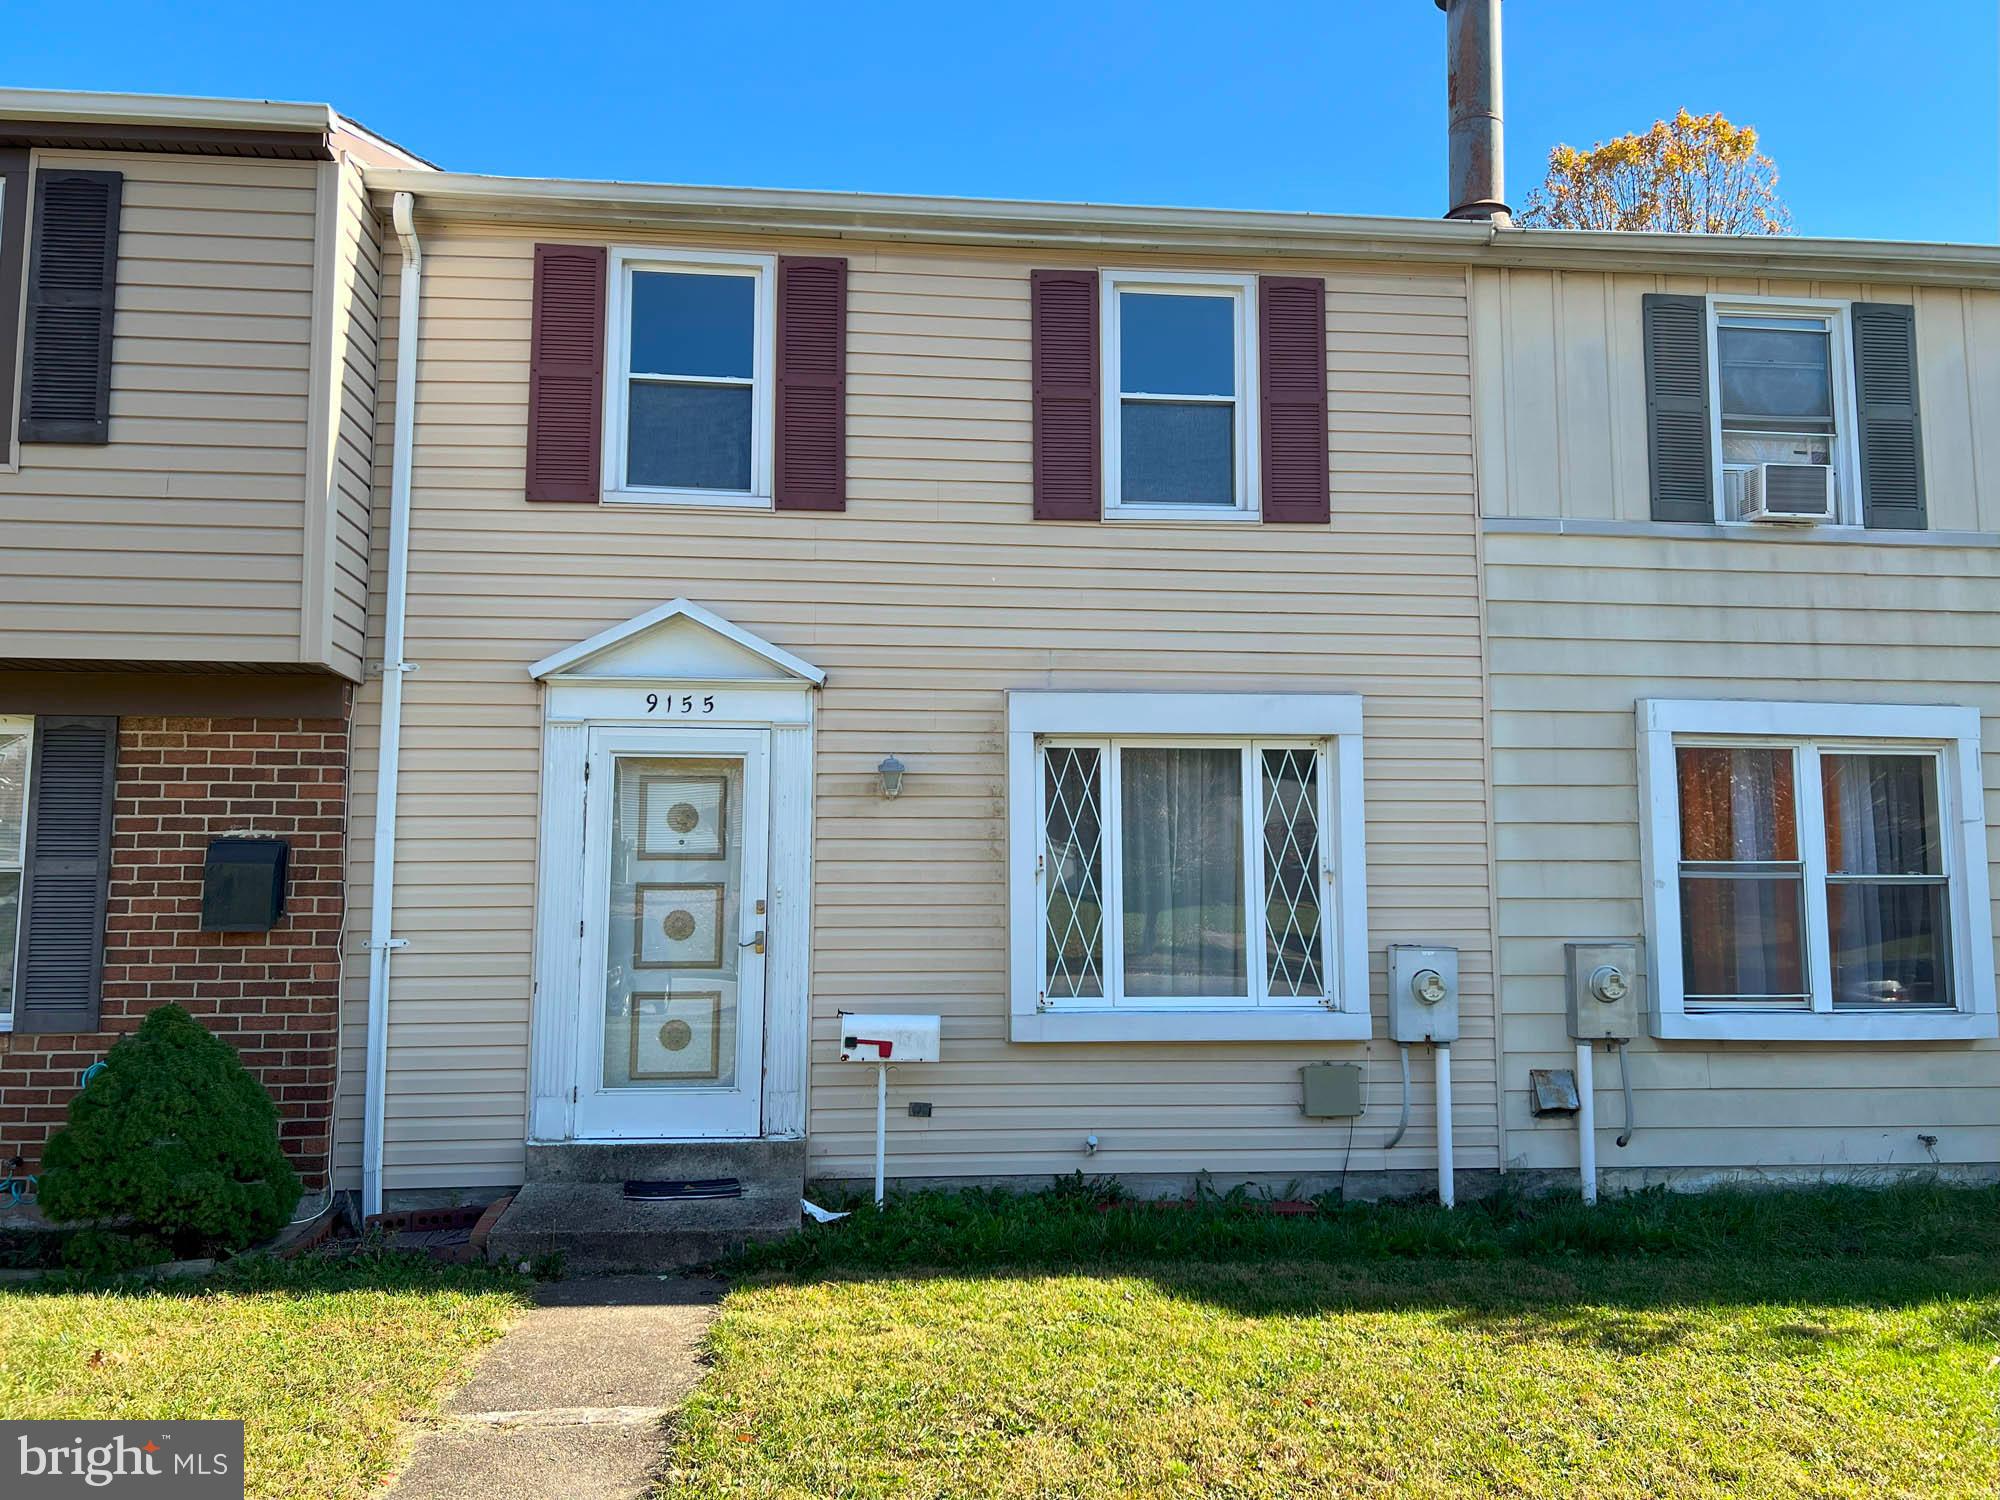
pixel 274 996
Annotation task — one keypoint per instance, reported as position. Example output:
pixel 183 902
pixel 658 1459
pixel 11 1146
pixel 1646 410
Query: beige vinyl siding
pixel 356 338
pixel 180 540
pixel 933 594
pixel 1580 627
pixel 1561 390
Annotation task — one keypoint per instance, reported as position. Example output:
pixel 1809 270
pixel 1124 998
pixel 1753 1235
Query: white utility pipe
pixel 1586 1122
pixel 1446 1193
pixel 881 1125
pixel 388 755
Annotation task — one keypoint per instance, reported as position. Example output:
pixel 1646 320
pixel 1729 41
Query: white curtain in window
pixel 1182 873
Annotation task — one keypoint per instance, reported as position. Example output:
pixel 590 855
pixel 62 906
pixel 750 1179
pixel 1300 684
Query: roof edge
pixel 1027 222
pixel 83 107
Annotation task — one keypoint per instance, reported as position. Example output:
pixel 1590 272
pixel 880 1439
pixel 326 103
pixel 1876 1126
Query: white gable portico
pixel 673 909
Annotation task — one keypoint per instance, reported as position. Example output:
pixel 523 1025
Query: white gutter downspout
pixel 383 885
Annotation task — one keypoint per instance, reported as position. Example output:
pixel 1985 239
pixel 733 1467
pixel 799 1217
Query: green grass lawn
pixel 321 1359
pixel 1827 1343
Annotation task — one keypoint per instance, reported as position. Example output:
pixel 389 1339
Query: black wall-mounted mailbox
pixel 243 885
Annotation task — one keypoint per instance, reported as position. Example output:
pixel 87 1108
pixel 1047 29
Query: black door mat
pixel 668 1191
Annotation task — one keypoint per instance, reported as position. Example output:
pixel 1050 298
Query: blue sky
pixel 1883 119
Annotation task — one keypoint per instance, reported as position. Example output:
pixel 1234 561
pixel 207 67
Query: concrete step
pixel 592 1161
pixel 597 1228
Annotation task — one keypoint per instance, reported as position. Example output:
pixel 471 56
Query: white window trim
pixel 617 375
pixel 1846 446
pixel 16 860
pixel 1335 718
pixel 1952 733
pixel 1243 288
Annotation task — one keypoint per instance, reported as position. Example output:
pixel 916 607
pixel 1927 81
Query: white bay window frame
pixel 1811 731
pixel 624 264
pixel 1242 289
pixel 1038 721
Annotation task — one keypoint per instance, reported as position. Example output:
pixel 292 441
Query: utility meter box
pixel 1423 993
pixel 1606 998
pixel 1330 1090
pixel 889 1039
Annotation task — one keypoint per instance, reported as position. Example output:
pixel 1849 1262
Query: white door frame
pixel 626 677
pixel 636 1113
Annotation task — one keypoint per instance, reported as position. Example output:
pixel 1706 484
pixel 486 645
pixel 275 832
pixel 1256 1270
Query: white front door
pixel 676 853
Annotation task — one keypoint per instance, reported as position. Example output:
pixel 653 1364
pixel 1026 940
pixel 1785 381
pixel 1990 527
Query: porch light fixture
pixel 890 773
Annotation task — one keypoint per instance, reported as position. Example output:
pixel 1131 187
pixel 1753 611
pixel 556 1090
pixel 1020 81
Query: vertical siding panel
pixel 1584 431
pixel 1534 444
pixel 1982 317
pixel 1486 292
pixel 1944 389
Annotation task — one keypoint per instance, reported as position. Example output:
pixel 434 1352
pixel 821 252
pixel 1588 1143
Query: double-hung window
pixel 1816 871
pixel 1784 411
pixel 17 742
pixel 689 419
pixel 1180 428
pixel 1186 867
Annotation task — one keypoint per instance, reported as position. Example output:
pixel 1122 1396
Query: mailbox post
pixel 882 1040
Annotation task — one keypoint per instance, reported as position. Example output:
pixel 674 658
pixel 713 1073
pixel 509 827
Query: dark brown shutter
pixel 60 966
pixel 13 266
pixel 1291 356
pixel 812 384
pixel 1677 437
pixel 72 292
pixel 1885 390
pixel 1063 310
pixel 566 373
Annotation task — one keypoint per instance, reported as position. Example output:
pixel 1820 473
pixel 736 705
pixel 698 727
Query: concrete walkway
pixel 570 1401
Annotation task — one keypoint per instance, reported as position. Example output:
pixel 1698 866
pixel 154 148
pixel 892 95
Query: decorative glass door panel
pixel 673 1027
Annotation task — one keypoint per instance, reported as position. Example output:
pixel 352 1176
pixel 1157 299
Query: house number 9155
pixel 686 703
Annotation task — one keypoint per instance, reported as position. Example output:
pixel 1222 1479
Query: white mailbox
pixel 884 1040
pixel 888 1039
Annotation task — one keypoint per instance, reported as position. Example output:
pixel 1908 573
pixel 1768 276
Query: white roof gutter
pixel 382 892
pixel 83 108
pixel 986 221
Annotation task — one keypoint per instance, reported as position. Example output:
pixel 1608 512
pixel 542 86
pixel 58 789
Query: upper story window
pixel 1786 410
pixel 1812 873
pixel 1173 882
pixel 690 415
pixel 1179 384
pixel 1783 399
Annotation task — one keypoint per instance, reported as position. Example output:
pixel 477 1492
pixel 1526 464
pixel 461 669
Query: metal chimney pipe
pixel 1478 157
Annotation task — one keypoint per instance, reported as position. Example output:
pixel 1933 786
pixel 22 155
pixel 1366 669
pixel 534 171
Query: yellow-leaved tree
pixel 1693 174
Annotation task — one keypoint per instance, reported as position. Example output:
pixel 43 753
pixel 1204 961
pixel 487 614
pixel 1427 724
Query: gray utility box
pixel 1606 991
pixel 1423 993
pixel 1332 1091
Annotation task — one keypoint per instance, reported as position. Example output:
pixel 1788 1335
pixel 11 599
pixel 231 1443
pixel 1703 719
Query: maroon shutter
pixel 1291 352
pixel 566 373
pixel 1067 451
pixel 812 384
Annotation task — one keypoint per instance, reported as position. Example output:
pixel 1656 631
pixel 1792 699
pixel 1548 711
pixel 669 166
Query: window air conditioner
pixel 1788 492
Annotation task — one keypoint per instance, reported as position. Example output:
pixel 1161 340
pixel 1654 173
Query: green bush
pixel 173 1146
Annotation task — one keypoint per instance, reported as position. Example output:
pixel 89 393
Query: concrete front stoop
pixel 574 1204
